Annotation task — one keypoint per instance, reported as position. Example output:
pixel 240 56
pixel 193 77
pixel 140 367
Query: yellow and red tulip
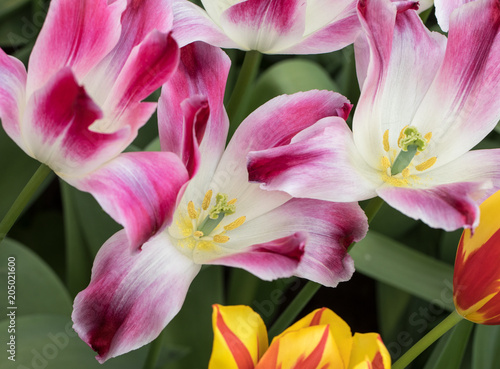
pixel 319 340
pixel 476 281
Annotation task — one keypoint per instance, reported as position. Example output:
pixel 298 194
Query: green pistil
pixel 410 144
pixel 216 214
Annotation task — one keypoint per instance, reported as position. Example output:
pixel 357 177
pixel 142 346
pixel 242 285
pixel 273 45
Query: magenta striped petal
pixel 132 295
pixel 56 128
pixel 444 8
pixel 139 190
pixel 191 114
pixel 12 95
pixel 312 237
pixel 76 33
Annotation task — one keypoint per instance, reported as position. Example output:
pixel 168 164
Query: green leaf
pixel 38 289
pixel 399 266
pixel 450 350
pixel 287 77
pixel 8 6
pixel 485 352
pixel 392 304
pixel 48 341
pixel 192 327
pixel 78 259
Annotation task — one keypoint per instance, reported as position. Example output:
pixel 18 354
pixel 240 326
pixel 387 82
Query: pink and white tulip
pixel 132 296
pixel 79 106
pixel 269 26
pixel 444 10
pixel 444 90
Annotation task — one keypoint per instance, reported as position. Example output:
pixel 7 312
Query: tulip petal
pixel 147 182
pixel 330 26
pixel 191 114
pixel 444 8
pixel 322 229
pixel 12 95
pixel 240 338
pixel 311 347
pixel 404 58
pixel 368 348
pixel 132 295
pixel 476 279
pixel 56 128
pixel 339 329
pixel 461 107
pixel 447 197
pixel 321 162
pixel 263 25
pixel 76 33
pixel 138 21
pixel 149 65
pixel 192 23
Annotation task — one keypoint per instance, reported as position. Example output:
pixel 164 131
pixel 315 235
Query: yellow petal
pixel 240 338
pixel 368 348
pixel 309 347
pixel 340 330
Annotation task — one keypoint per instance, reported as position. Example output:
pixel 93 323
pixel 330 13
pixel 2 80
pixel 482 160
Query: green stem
pixel 449 322
pixel 153 353
pixel 292 310
pixel 22 200
pixel 247 75
pixel 310 289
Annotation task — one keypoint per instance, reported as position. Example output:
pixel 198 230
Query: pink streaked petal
pixel 76 33
pixel 461 107
pixel 444 8
pixel 201 74
pixel 271 260
pixel 56 128
pixel 403 60
pixel 314 233
pixel 12 95
pixel 192 23
pixel 132 296
pixel 321 162
pixel 140 18
pixel 341 30
pixel 149 66
pixel 264 25
pixel 139 190
pixel 448 206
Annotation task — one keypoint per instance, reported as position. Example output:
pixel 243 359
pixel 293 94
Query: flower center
pixel 397 165
pixel 200 227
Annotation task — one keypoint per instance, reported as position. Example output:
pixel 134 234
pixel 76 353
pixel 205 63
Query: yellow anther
pixel 426 164
pixel 193 214
pixel 428 136
pixel 220 238
pixel 386 141
pixel 405 173
pixel 402 135
pixel 198 234
pixel 385 162
pixel 206 200
pixel 233 225
pixel 232 202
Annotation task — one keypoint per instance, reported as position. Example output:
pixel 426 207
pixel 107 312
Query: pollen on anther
pixel 402 135
pixel 220 238
pixel 428 136
pixel 233 225
pixel 232 202
pixel 405 173
pixel 385 162
pixel 206 200
pixel 198 234
pixel 193 214
pixel 426 164
pixel 386 141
